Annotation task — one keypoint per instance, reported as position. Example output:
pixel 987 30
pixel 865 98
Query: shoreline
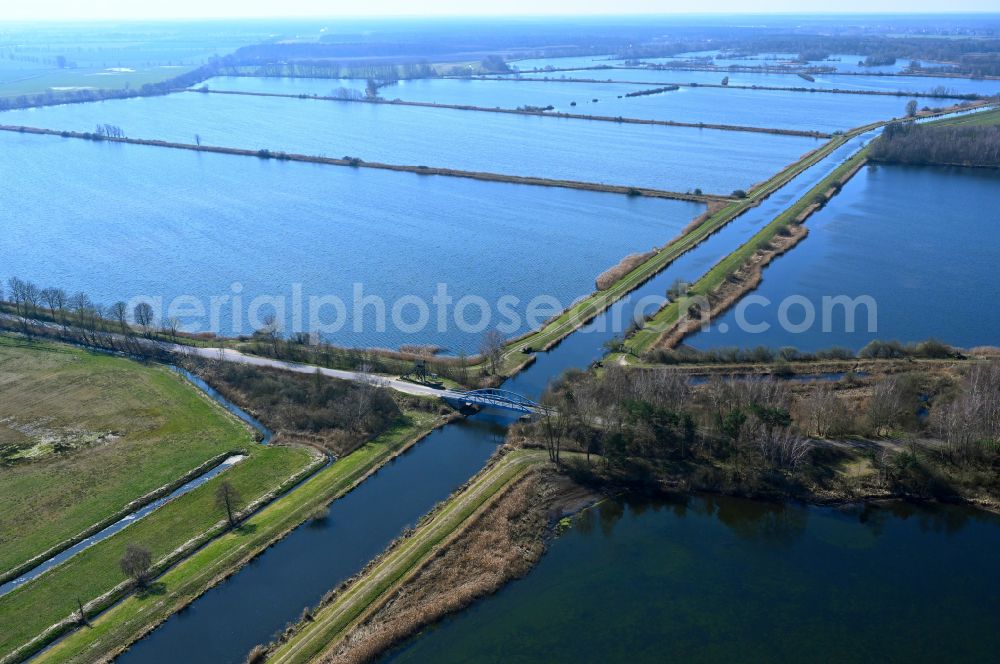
pixel 324 631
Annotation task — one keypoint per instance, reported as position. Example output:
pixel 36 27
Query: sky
pixel 29 10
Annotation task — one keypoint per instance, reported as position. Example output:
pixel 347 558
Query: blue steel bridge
pixel 494 398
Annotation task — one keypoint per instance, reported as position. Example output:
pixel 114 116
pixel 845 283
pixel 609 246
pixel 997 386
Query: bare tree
pixel 170 326
pixel 491 349
pixel 16 287
pixel 271 331
pixel 553 425
pixel 136 563
pixel 463 368
pixel 143 314
pixel 782 447
pixel 228 499
pixel 55 300
pixel 32 297
pixel 822 411
pixel 119 311
pixel 886 404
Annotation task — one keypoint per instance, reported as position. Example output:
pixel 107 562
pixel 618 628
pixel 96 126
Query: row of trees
pixel 908 143
pixel 109 131
pixel 77 317
pixel 137 563
pixel 30 301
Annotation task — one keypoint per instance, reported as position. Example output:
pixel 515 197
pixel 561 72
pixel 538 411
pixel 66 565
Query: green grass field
pixel 18 79
pixel 981 119
pixel 37 58
pixel 85 434
pixel 117 628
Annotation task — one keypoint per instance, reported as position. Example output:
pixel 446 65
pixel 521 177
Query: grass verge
pixel 404 560
pixel 93 576
pixel 114 630
pixel 86 438
pixel 665 319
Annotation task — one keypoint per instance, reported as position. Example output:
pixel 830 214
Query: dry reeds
pixel 610 277
pixel 503 543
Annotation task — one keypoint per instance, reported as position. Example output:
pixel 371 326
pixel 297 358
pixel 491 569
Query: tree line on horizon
pixel 965 145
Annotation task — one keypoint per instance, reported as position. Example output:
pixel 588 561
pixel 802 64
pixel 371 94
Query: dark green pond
pixel 723 579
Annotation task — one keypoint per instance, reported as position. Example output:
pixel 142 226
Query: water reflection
pixel 714 578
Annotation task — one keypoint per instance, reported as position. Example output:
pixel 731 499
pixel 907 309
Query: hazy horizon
pixel 125 10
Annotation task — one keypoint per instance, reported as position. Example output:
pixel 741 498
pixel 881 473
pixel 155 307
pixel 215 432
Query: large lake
pixel 918 240
pixel 118 221
pixel 674 158
pixel 780 109
pixel 715 579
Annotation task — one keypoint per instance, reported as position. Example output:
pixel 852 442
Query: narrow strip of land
pixel 539 113
pixel 666 327
pixel 232 355
pixel 730 86
pixel 587 308
pixel 359 163
pixel 401 562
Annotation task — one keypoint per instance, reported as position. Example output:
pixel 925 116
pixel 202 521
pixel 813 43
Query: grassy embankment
pixel 400 563
pixel 984 118
pixel 84 481
pixel 86 438
pixel 114 630
pixel 586 309
pixel 663 325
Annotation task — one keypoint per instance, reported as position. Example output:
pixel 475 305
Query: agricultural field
pixel 88 56
pixel 84 435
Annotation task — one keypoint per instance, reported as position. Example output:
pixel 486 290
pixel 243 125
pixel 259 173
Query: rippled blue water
pixel 760 108
pixel 712 579
pixel 128 220
pixel 918 240
pixel 675 158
